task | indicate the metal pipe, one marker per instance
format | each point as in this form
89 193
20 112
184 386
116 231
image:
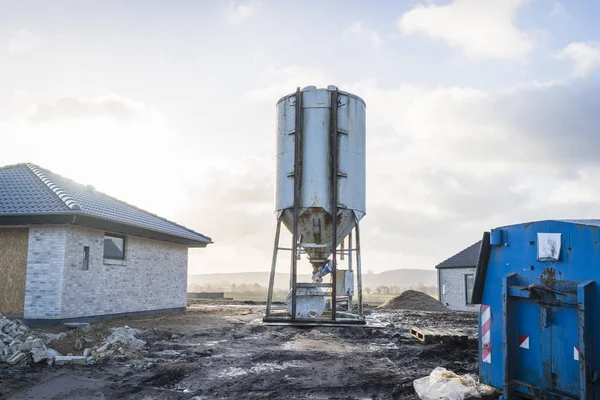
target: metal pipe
297 182
350 266
358 270
350 251
334 195
273 265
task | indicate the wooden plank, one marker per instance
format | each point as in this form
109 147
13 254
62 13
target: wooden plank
428 335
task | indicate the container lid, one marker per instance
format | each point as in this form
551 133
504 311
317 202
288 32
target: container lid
329 88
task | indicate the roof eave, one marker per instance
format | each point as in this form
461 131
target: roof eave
90 221
454 266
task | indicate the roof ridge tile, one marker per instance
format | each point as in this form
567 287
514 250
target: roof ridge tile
68 200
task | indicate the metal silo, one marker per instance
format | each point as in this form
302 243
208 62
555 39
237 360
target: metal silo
320 174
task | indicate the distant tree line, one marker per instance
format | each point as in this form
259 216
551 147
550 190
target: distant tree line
395 289
255 288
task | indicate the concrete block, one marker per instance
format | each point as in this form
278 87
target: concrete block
79 360
6 338
63 360
87 352
16 358
103 348
38 355
35 344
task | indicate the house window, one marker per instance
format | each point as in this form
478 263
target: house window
114 246
86 258
469 283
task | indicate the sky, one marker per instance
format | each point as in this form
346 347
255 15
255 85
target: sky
480 113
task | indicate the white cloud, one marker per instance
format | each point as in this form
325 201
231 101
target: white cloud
557 9
466 160
110 106
479 28
585 57
372 35
23 41
237 12
355 27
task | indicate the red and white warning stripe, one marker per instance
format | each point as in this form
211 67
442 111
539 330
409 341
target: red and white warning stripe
524 341
486 321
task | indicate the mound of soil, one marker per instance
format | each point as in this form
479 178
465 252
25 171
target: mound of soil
414 300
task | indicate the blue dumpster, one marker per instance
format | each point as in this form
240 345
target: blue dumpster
537 283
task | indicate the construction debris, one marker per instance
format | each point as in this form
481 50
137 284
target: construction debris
122 342
414 300
16 343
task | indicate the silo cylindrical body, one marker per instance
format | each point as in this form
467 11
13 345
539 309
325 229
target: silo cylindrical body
315 221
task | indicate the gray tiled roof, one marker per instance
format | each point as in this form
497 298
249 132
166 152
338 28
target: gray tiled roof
21 191
29 189
465 258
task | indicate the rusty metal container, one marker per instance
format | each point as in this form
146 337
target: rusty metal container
537 284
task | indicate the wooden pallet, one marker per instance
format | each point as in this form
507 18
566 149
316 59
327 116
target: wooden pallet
430 335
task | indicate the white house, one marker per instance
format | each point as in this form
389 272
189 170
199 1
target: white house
71 253
456 278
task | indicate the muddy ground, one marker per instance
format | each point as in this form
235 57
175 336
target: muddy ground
225 352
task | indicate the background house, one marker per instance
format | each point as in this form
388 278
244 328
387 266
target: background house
456 278
68 252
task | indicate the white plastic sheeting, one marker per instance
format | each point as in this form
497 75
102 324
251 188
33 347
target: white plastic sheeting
442 384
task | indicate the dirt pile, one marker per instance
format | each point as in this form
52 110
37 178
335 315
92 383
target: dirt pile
414 300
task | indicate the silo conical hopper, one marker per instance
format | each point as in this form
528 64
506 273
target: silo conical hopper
320 186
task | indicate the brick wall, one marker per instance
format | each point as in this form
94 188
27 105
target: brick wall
152 277
454 281
45 267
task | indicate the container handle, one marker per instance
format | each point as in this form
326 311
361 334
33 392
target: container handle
535 287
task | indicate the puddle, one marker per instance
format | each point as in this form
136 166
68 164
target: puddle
260 368
167 354
214 342
382 346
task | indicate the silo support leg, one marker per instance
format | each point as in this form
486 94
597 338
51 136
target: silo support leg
273 266
358 270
